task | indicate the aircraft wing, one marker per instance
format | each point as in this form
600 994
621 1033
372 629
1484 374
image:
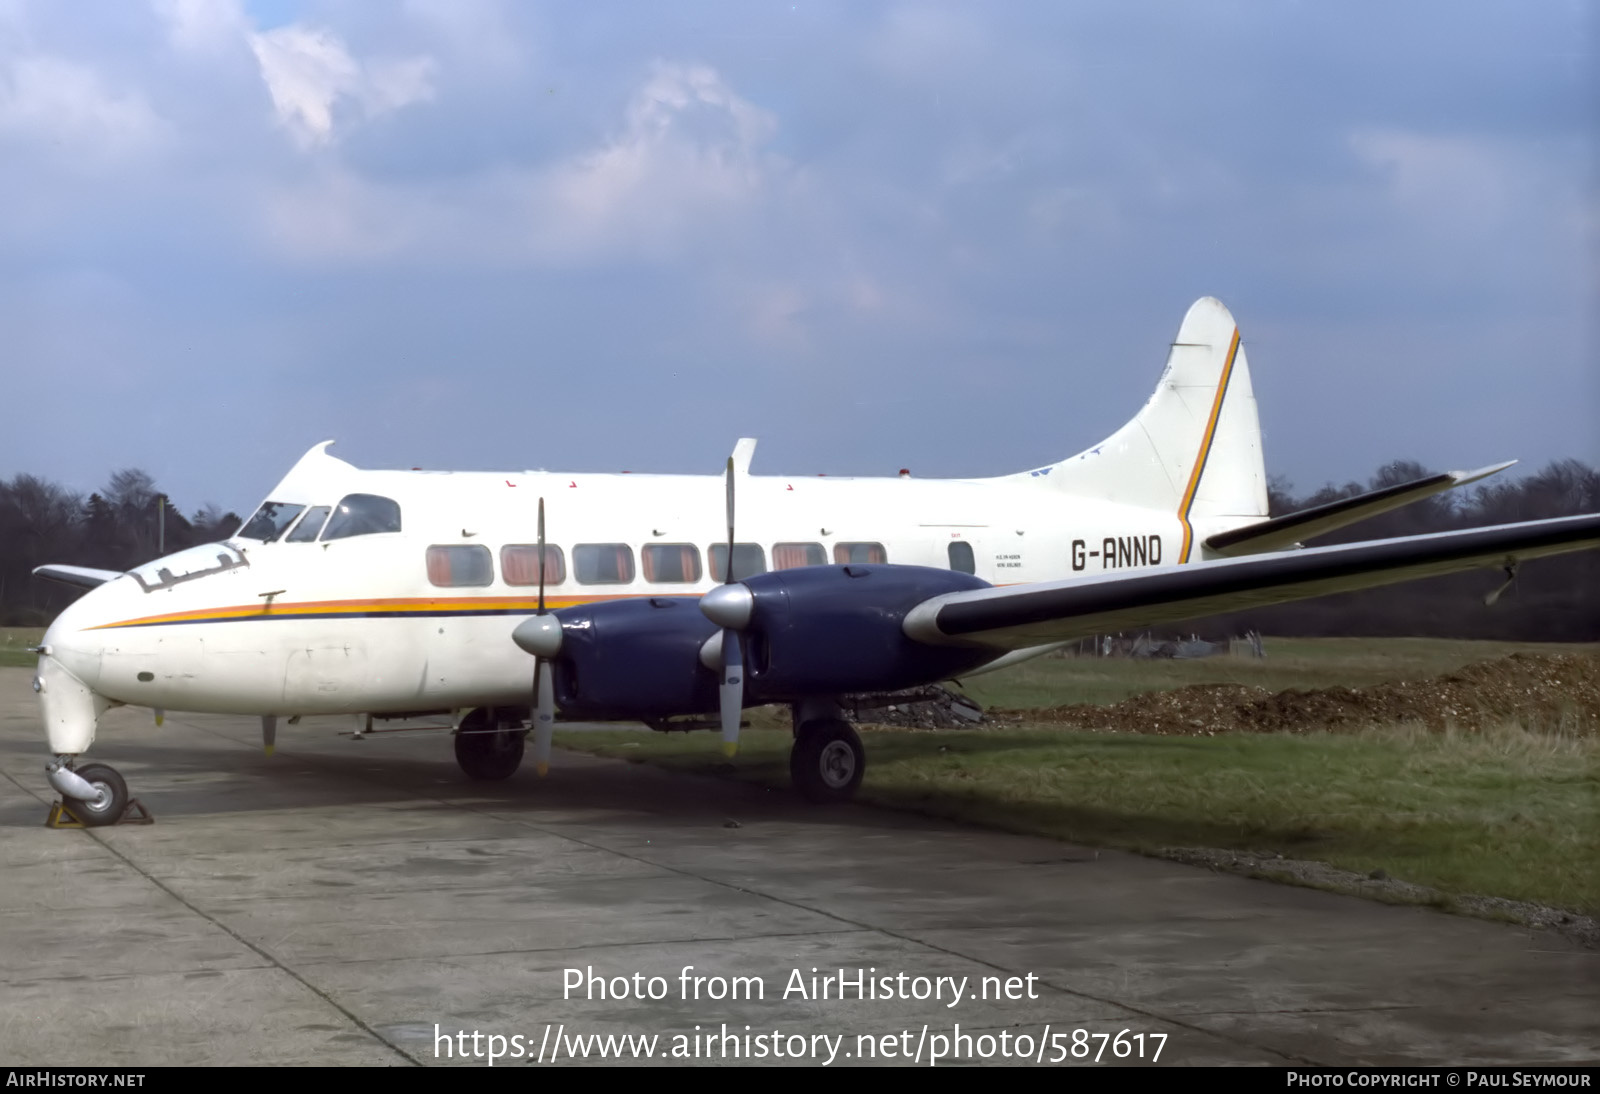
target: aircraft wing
1286 531
1029 615
82 576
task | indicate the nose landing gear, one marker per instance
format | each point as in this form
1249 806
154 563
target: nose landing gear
92 796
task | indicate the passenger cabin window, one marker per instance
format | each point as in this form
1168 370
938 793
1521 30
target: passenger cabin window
457 566
362 515
603 563
671 563
845 553
748 560
519 564
791 556
269 521
961 559
310 524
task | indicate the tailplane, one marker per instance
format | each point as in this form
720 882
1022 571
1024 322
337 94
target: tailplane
1195 448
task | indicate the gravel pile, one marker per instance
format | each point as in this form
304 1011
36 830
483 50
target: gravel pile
921 708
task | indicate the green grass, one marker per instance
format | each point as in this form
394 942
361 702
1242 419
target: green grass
14 643
1506 813
1290 663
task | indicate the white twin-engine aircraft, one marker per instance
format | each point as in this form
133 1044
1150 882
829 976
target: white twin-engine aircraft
399 593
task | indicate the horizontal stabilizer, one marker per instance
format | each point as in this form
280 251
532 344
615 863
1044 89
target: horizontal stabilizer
1286 531
81 576
1015 616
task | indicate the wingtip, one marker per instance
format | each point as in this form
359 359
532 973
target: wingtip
1463 477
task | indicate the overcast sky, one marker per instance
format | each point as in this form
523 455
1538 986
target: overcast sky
955 238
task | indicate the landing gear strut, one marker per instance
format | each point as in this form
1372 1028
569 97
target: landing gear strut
827 760
486 748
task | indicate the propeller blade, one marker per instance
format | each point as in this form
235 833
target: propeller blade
541 556
161 716
731 692
544 688
544 715
269 732
728 576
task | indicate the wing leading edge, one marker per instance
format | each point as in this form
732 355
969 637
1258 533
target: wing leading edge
82 577
1028 615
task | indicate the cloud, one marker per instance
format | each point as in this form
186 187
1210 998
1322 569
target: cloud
203 26
316 85
690 151
689 158
49 100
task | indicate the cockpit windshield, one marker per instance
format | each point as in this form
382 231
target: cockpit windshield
269 521
306 531
362 515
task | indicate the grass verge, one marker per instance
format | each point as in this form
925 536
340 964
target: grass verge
1508 812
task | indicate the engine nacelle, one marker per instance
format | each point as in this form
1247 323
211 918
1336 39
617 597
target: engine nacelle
813 631
836 630
635 658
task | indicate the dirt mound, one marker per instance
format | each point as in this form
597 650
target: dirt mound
1529 688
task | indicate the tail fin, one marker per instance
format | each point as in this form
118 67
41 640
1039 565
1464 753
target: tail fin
1195 448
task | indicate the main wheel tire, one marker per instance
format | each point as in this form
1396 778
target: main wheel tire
485 751
113 796
827 760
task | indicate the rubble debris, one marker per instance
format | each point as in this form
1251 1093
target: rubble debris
919 708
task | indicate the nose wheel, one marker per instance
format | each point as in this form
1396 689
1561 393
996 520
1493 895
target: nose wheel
827 760
92 796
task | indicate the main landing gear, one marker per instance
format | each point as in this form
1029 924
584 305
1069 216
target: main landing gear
489 744
827 761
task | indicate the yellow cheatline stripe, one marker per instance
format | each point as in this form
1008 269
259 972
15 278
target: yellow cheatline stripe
360 607
1205 448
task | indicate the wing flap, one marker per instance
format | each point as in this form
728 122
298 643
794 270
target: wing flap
1286 531
83 577
1025 615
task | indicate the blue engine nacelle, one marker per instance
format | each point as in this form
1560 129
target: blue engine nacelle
836 630
815 630
634 658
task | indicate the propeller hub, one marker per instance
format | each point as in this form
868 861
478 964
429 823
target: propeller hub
729 606
539 635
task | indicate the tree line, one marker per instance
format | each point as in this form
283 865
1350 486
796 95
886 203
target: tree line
126 522
129 521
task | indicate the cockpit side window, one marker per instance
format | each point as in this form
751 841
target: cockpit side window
362 515
310 524
269 521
